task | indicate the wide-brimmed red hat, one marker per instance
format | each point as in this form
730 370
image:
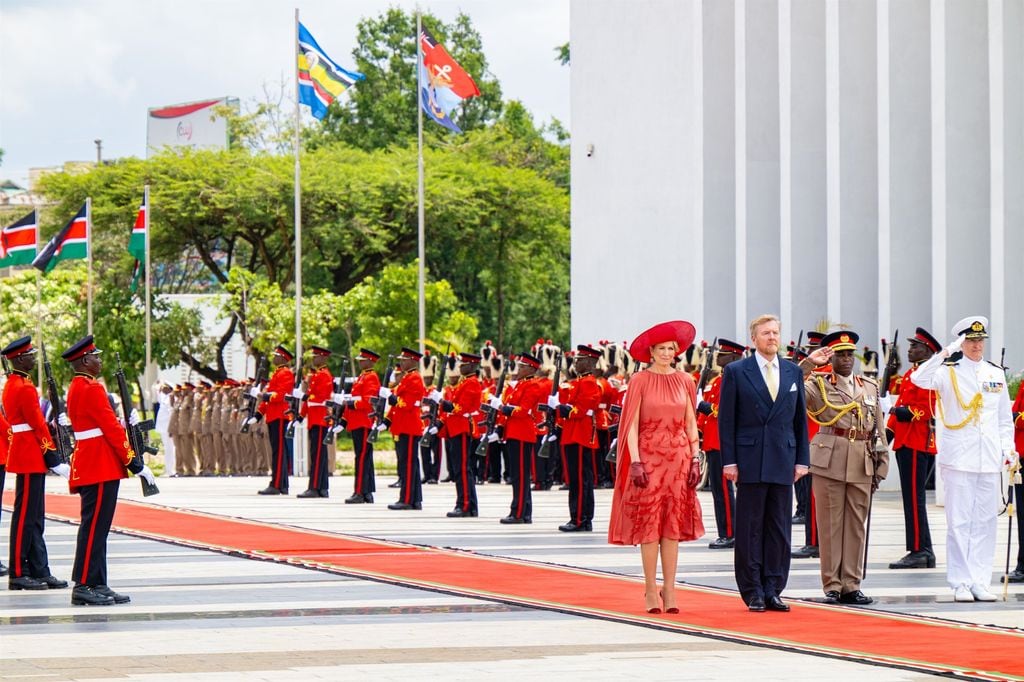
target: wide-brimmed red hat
680 331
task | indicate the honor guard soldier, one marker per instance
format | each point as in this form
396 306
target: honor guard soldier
521 418
846 464
358 415
1017 574
461 410
912 424
406 420
102 458
31 454
320 384
273 408
974 439
722 491
805 508
5 434
579 438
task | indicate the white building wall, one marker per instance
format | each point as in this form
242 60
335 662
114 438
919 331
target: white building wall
860 161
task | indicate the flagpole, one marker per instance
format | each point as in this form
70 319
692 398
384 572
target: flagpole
298 210
39 322
421 250
149 340
88 246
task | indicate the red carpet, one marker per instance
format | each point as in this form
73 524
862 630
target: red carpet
905 641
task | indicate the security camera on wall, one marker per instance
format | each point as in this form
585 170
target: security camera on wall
590 150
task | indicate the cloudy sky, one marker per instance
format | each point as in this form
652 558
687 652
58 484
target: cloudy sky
72 71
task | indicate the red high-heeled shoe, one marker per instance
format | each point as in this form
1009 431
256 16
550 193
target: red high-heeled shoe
670 609
652 609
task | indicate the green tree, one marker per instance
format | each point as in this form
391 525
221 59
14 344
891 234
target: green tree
381 110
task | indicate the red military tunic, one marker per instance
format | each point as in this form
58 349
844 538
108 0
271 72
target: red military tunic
30 436
918 433
465 398
405 414
102 452
1018 423
708 423
584 395
279 386
321 387
524 397
603 416
5 439
360 415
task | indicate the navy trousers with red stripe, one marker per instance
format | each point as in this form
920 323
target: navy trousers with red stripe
915 469
459 450
280 454
581 482
318 464
722 493
365 482
28 549
409 469
520 456
99 501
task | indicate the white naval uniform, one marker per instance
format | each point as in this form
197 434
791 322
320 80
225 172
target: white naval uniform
970 460
163 420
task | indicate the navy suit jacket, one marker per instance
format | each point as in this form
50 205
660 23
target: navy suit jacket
765 438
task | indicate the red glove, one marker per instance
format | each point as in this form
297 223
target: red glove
693 478
637 474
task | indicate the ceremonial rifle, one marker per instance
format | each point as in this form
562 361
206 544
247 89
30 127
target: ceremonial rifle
380 403
336 408
549 418
891 359
134 431
294 404
60 434
433 423
705 372
490 424
252 401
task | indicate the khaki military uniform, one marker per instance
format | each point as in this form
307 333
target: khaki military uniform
186 435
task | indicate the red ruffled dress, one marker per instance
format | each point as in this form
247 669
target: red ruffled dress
667 508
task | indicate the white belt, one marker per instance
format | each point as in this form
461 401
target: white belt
312 404
20 428
86 435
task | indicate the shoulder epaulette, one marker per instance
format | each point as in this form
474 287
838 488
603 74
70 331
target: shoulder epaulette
870 380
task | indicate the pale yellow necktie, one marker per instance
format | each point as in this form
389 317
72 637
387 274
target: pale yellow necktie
771 380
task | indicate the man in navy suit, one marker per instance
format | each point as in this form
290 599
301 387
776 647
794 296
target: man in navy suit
762 426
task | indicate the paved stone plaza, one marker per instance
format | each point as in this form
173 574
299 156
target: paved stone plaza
200 615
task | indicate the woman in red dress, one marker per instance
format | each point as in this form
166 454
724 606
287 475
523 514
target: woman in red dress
655 502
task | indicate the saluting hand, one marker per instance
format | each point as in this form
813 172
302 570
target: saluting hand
821 356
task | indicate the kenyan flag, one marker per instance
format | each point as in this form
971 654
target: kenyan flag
71 242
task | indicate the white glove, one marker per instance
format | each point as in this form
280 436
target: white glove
432 429
491 438
381 427
251 420
62 470
553 402
63 420
1009 458
337 398
133 417
384 392
298 393
885 402
955 346
436 396
147 474
337 429
254 391
494 402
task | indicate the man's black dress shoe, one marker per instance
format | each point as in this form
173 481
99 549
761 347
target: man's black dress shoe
922 559
799 518
306 494
3 569
805 552
1015 576
756 604
368 498
856 598
494 480
446 479
118 598
269 490
563 487
26 582
461 513
325 493
431 481
54 583
722 543
83 595
573 527
514 520
403 505
396 484
355 498
831 597
776 604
